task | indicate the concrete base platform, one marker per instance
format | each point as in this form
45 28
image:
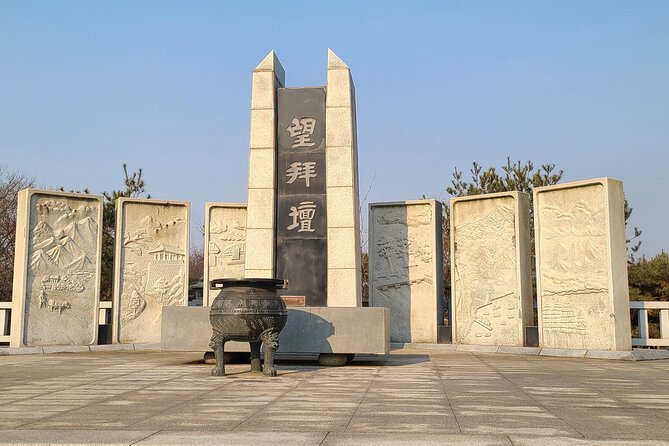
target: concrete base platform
309 330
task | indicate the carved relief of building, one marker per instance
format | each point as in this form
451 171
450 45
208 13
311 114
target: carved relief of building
151 266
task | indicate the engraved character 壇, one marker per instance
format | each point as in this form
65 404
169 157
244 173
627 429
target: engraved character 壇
302 216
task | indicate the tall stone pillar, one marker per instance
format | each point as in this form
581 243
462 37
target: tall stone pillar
260 220
343 210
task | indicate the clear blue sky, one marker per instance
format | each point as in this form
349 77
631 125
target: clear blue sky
86 86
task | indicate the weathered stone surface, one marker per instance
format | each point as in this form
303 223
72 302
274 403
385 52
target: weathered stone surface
56 269
519 350
150 265
608 354
565 352
647 354
261 219
65 349
331 330
405 267
225 242
343 220
21 351
111 347
490 268
582 290
476 348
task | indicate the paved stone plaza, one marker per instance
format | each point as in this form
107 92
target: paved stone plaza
414 397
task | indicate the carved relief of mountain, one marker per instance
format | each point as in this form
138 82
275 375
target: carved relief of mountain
65 252
84 232
42 263
81 263
41 230
46 244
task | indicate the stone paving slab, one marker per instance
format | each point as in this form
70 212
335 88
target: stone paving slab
403 439
108 437
410 397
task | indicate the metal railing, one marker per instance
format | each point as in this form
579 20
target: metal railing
644 340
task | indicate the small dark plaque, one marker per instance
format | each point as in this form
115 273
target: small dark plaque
293 301
301 251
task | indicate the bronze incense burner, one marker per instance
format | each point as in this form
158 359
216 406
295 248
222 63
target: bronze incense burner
247 310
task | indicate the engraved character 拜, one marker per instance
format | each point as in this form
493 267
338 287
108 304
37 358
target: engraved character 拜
303 171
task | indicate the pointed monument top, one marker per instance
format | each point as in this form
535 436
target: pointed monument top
268 63
334 61
271 63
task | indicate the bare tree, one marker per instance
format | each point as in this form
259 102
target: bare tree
196 264
11 182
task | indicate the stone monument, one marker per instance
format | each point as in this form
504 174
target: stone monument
406 267
491 282
225 244
56 269
302 221
150 265
582 289
302 218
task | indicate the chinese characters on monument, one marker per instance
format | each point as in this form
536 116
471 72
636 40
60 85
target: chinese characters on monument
302 216
301 252
302 171
301 130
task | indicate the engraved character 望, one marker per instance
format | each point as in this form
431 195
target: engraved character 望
301 130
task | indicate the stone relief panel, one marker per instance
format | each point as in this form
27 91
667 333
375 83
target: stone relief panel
152 265
403 252
63 269
225 243
486 284
573 268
